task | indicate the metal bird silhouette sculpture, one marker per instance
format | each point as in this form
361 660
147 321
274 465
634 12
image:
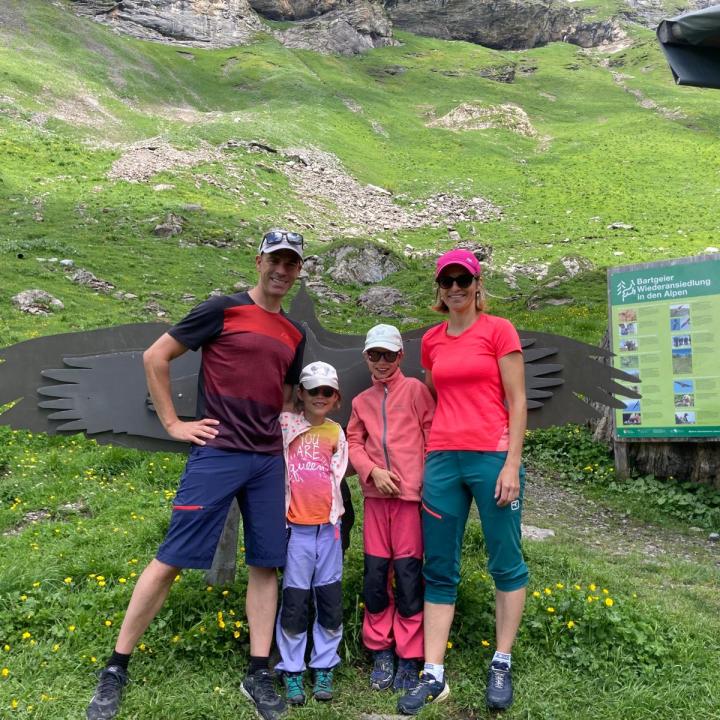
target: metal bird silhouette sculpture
97 380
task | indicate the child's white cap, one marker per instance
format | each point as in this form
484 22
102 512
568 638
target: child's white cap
383 336
319 374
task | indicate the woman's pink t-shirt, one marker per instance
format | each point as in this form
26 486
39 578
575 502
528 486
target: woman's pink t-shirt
471 412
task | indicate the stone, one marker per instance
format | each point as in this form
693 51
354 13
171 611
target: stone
558 301
361 265
172 225
530 532
323 292
714 537
620 226
192 207
380 300
187 297
66 263
120 295
85 277
37 302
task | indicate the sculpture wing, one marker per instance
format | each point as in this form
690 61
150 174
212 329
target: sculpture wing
101 391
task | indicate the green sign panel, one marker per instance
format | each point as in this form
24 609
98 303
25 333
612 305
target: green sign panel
665 331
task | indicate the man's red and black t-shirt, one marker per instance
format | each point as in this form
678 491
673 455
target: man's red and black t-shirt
248 354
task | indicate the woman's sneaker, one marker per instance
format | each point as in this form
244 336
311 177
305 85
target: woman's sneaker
323 685
499 693
105 703
259 687
407 675
427 690
294 690
381 677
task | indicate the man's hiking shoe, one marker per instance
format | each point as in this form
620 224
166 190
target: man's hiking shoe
427 690
105 703
383 670
407 675
323 685
260 689
499 686
294 690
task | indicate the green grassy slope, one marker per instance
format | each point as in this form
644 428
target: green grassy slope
604 158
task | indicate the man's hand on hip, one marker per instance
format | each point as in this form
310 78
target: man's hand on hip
195 431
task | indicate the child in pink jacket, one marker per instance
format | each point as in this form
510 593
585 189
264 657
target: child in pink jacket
386 435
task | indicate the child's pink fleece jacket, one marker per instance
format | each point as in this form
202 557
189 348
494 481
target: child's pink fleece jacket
389 427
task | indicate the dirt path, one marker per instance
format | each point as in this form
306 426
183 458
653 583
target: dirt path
548 504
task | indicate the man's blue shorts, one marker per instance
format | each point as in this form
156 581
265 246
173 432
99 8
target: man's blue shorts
211 480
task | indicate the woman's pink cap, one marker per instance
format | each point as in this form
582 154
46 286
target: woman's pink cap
461 257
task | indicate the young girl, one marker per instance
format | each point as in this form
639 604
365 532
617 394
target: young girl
387 432
316 459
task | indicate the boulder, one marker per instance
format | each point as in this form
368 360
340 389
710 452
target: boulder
502 24
85 277
172 225
361 265
293 9
381 300
37 302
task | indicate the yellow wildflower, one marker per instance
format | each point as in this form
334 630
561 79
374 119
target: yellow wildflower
609 602
26 635
236 634
570 624
536 594
4 672
449 645
71 628
108 623
559 586
6 648
606 591
55 647
485 643
67 580
551 609
122 581
547 591
209 588
592 587
14 704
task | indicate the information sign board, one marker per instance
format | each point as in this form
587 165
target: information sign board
665 330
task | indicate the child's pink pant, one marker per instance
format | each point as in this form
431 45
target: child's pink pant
393 584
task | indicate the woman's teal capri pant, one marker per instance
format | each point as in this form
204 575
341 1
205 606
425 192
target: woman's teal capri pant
452 479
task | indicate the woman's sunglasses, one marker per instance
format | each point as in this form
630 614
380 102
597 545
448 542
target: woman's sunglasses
324 391
462 281
375 355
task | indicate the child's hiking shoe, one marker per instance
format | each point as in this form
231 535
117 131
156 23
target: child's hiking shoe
105 703
294 690
407 675
260 689
427 690
499 686
383 670
323 685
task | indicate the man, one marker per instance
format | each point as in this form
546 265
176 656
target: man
236 451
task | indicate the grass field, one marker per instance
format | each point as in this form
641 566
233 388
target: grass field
79 521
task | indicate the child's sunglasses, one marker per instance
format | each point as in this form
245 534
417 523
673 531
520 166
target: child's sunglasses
375 355
463 281
323 390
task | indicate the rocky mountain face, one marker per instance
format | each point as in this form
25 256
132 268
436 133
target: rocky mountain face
353 26
501 24
208 23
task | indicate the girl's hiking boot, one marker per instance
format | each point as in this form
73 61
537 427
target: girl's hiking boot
381 677
499 686
105 703
259 688
427 690
294 690
323 685
407 675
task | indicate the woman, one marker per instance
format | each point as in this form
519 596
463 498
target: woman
474 367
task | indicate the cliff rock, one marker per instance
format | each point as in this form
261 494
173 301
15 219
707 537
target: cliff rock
502 24
351 28
205 23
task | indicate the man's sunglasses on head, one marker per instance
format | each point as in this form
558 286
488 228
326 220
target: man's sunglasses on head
462 281
275 237
389 355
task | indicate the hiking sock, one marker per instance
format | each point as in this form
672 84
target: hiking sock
437 671
120 659
258 662
503 658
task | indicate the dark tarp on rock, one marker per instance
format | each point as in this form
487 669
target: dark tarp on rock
691 43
